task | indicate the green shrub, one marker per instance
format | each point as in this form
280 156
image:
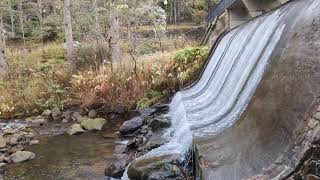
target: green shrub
186 65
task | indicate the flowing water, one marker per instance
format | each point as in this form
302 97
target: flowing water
220 96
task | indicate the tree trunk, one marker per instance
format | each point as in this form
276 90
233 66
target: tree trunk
68 35
40 18
3 63
96 16
13 32
22 24
114 35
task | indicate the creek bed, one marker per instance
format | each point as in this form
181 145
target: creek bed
66 157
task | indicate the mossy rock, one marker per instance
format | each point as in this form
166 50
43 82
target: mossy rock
93 124
154 168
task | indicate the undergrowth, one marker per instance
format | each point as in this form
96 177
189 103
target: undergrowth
39 80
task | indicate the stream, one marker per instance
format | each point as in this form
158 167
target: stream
66 157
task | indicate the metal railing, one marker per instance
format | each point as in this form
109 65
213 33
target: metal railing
219 9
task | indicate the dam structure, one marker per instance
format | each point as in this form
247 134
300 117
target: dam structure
244 112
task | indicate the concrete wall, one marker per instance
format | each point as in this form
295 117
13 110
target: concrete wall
244 10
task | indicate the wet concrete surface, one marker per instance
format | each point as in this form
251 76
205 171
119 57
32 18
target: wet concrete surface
278 109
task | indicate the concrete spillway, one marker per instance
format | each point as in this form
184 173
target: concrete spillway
260 80
248 115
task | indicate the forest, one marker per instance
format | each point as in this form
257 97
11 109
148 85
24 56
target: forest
159 89
119 53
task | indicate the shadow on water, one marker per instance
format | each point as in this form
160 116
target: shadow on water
66 157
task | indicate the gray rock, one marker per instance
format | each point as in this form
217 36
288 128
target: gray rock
76 129
155 168
9 131
145 130
131 125
92 114
317 115
65 121
2 157
3 142
30 135
116 169
67 115
159 122
38 121
93 124
136 142
21 156
84 118
316 134
16 138
22 127
34 142
312 123
76 116
318 108
155 141
46 113
56 114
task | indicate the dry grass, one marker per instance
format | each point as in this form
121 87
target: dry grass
39 80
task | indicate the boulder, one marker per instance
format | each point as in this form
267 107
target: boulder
8 131
21 127
115 169
162 167
84 118
145 130
46 113
21 156
56 114
160 122
2 157
37 121
155 142
67 115
93 124
3 142
76 129
16 138
34 142
131 125
92 114
30 135
136 142
312 123
76 116
317 115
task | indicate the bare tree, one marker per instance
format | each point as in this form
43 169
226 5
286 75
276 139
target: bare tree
68 35
3 63
13 32
96 15
114 38
22 23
